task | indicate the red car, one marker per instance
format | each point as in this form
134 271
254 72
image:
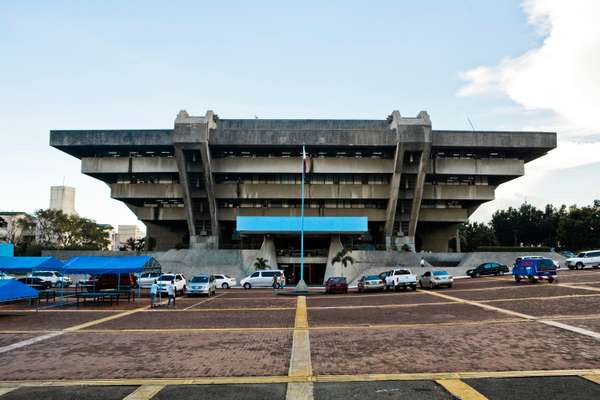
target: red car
109 281
336 284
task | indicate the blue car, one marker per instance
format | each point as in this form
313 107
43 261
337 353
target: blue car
534 269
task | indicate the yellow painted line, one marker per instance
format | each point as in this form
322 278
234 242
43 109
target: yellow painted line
301 314
144 392
425 325
461 390
478 304
567 296
582 287
439 303
313 378
105 319
592 377
300 361
228 309
300 391
5 390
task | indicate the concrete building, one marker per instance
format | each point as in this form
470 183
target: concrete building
63 198
126 232
414 185
11 231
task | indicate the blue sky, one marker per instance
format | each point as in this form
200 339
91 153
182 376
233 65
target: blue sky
114 64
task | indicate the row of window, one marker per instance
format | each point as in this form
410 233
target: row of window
307 204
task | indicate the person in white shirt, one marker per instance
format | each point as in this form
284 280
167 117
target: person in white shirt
422 262
171 293
153 294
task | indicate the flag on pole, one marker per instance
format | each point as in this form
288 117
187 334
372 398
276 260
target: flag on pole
306 163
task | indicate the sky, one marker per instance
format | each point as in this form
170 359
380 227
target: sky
504 64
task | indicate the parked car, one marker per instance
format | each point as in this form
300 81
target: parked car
584 259
336 284
262 278
176 279
224 281
534 269
385 274
491 268
202 284
370 282
567 254
147 279
55 278
6 276
36 283
123 281
436 279
401 278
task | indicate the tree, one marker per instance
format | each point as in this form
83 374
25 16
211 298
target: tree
3 223
474 235
261 263
343 256
57 230
527 225
579 228
137 245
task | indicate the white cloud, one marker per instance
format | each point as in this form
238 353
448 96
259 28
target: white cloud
562 75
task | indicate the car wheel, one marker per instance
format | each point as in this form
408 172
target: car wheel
431 285
517 278
414 287
58 285
579 265
571 267
421 284
449 285
225 285
531 278
247 285
346 291
550 279
476 275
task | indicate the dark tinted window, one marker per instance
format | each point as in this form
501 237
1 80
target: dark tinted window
373 277
200 279
254 275
402 272
546 263
337 280
270 274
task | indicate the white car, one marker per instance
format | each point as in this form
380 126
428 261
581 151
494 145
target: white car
6 276
435 279
224 281
202 284
176 279
55 278
260 278
584 259
146 279
401 278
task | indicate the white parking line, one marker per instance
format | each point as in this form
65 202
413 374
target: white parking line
203 301
27 342
571 328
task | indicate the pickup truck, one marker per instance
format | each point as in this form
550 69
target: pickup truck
400 278
534 269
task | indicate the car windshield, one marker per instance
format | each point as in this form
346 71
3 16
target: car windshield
166 278
373 278
403 272
440 273
337 280
581 255
200 279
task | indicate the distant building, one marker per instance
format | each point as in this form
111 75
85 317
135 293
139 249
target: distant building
126 232
63 198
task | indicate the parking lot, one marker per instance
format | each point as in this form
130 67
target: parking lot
487 337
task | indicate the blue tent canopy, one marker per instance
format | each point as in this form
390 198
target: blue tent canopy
11 289
260 225
24 264
97 265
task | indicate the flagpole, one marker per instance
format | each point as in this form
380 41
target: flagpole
302 217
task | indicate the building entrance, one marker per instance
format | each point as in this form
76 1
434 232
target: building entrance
313 273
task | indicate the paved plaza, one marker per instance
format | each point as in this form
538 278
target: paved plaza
484 338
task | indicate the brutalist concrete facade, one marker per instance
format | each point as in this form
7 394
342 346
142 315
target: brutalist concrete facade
416 185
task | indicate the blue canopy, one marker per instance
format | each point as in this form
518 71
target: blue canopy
12 289
311 224
97 265
24 264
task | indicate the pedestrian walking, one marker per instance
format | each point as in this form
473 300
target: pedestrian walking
422 262
153 294
275 282
282 281
171 293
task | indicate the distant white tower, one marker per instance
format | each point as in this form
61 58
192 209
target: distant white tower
63 198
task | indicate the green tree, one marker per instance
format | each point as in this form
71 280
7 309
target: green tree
579 228
261 263
344 257
474 235
137 245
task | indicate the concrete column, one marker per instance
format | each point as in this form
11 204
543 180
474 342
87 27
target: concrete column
390 214
335 245
418 195
458 240
210 189
185 184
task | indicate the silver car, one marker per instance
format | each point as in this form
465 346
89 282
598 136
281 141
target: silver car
435 279
202 284
370 282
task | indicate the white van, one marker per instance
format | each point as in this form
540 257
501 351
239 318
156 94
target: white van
262 278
